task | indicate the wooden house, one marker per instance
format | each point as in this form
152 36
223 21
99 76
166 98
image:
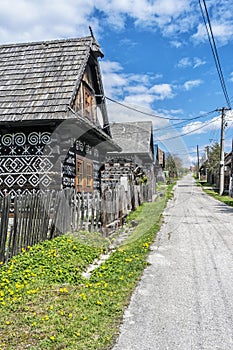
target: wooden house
159 164
135 162
228 173
54 128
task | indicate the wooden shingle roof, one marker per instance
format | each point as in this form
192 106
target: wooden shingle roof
134 138
38 80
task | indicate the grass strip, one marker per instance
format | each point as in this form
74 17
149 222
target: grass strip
47 304
224 199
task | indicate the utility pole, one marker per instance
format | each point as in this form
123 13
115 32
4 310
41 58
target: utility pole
198 163
207 162
222 153
231 178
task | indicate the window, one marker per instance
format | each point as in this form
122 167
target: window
88 113
84 174
89 168
79 174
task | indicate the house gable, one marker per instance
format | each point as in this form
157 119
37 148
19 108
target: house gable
88 101
38 81
40 86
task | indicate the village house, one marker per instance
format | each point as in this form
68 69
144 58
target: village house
159 164
228 173
134 164
54 124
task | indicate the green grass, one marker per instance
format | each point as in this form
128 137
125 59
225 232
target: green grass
170 192
47 304
225 199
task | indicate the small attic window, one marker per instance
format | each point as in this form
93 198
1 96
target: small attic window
88 102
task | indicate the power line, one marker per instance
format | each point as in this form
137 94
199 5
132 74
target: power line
181 124
214 51
185 154
190 132
154 115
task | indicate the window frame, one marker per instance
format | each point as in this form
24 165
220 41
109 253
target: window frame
84 180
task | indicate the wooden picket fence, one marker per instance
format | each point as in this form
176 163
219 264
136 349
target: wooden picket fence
34 217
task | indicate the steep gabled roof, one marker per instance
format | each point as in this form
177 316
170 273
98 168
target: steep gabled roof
134 138
38 80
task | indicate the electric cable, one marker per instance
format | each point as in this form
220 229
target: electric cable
190 132
154 115
214 51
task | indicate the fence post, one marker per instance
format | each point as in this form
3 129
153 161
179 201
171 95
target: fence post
5 208
104 214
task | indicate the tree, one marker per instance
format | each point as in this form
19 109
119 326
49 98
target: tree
212 163
213 158
170 166
174 166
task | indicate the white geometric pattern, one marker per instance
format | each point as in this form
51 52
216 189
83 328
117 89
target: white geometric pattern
21 180
34 180
9 181
24 161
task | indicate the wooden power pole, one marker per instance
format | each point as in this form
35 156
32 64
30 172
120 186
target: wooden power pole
198 163
222 153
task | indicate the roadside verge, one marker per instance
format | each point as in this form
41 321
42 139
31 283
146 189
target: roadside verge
46 303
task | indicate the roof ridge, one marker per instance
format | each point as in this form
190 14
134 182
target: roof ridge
133 122
52 41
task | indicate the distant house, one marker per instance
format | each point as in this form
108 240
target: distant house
228 174
159 163
54 125
135 162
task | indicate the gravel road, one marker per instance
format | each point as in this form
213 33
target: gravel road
185 297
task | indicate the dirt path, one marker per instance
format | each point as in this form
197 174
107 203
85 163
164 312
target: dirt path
185 297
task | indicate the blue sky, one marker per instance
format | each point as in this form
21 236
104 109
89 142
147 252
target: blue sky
157 60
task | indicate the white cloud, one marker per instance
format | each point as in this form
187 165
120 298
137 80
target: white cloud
143 100
199 127
223 32
194 62
198 62
176 43
188 85
162 91
113 79
133 88
184 62
26 20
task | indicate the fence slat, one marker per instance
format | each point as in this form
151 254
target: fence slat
45 215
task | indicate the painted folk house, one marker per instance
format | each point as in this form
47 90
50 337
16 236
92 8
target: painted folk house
135 162
54 125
